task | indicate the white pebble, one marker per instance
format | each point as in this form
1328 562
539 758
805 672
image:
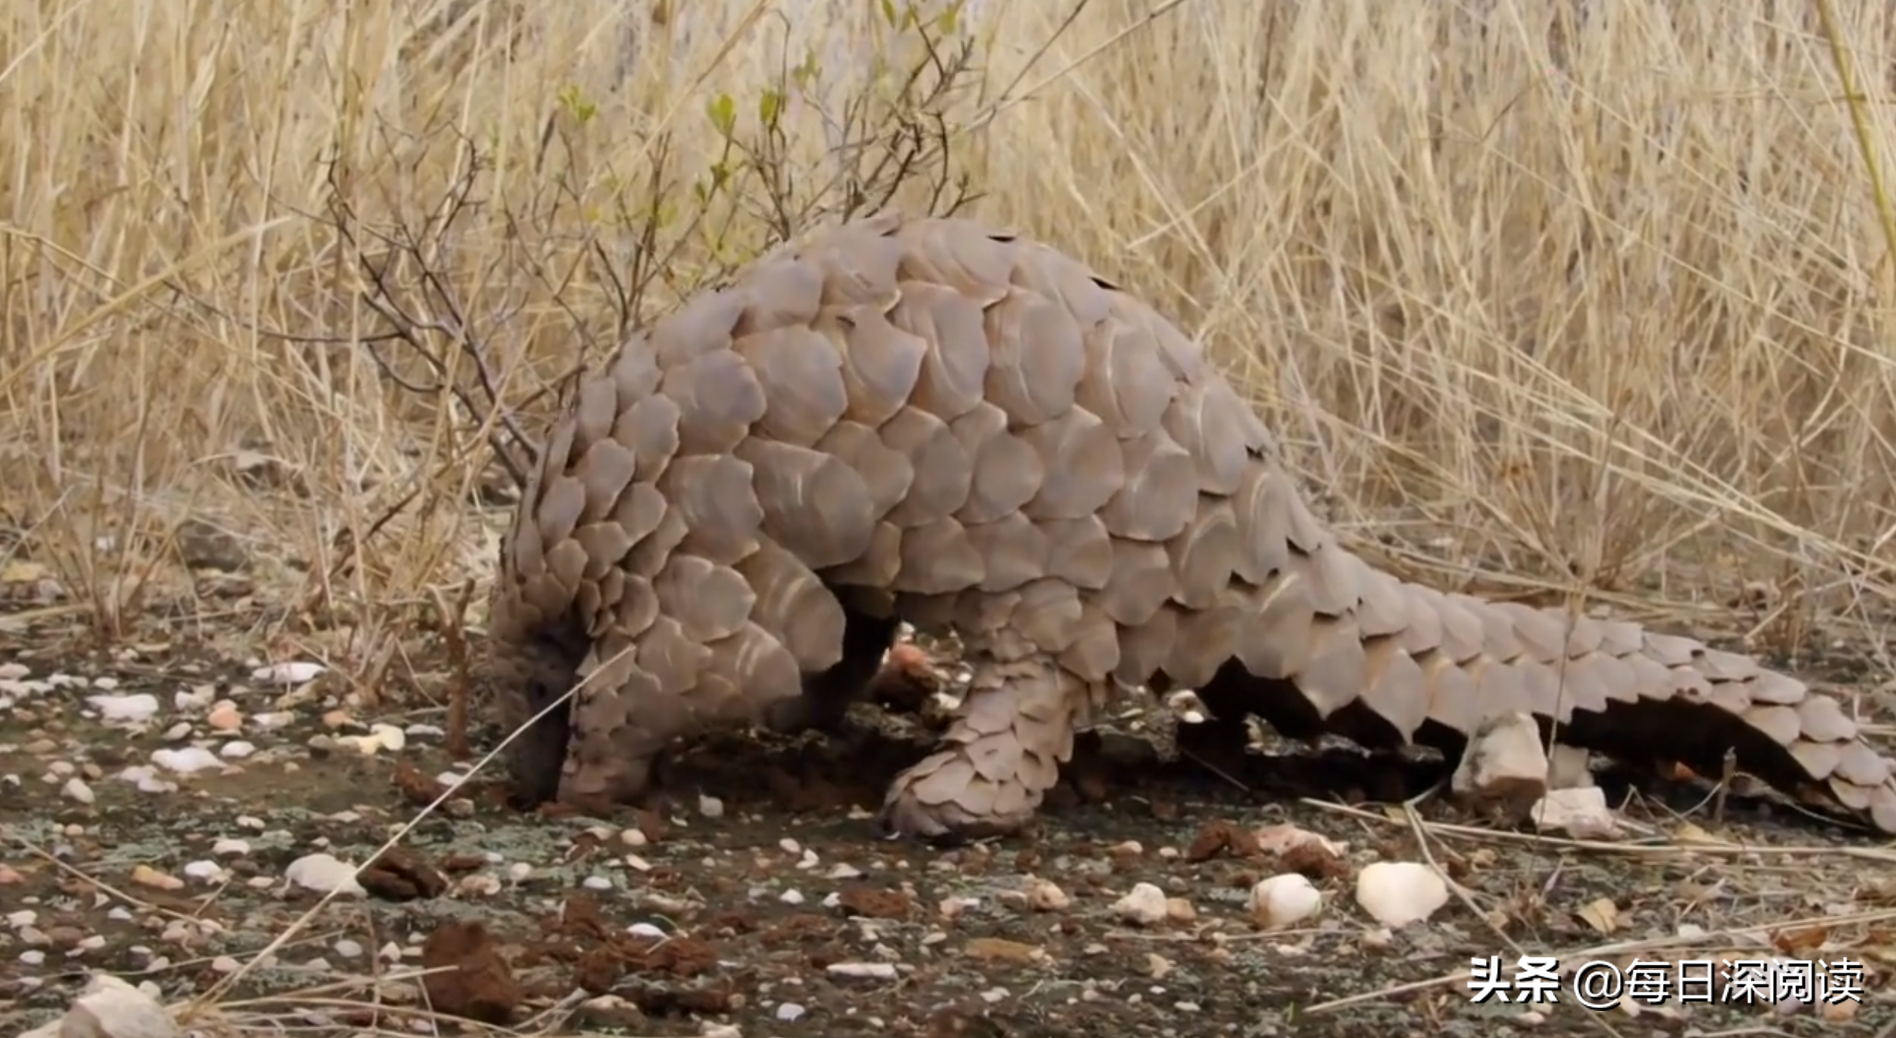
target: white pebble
291 673
450 779
76 789
272 720
147 780
596 883
225 964
348 949
237 749
789 1012
92 942
185 761
1398 893
519 871
1283 900
23 917
136 708
634 838
178 732
33 958
710 807
391 737
323 873
204 871
862 970
791 897
644 930
790 846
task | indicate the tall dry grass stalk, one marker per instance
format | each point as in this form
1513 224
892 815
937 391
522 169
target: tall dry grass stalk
1550 294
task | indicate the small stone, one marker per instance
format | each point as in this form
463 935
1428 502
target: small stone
1580 811
323 873
76 789
862 970
1144 905
128 710
1397 893
634 838
237 749
146 876
225 717
204 871
111 1008
186 760
1045 896
710 807
292 673
596 883
10 876
229 848
789 1012
1504 763
1283 900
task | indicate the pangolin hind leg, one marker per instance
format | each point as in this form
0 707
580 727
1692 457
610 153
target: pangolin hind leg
1000 755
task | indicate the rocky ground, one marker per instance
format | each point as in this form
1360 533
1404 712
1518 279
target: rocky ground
173 816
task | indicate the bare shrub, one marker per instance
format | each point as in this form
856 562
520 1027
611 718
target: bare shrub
1546 298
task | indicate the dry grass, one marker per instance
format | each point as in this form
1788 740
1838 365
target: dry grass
1585 296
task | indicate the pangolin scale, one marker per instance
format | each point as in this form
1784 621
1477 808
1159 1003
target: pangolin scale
936 421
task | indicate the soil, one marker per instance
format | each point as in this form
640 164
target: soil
762 901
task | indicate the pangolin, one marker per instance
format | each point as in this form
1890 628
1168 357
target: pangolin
937 421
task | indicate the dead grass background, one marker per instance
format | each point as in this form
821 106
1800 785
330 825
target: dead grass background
1588 297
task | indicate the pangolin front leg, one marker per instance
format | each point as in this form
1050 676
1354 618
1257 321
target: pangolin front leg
1001 753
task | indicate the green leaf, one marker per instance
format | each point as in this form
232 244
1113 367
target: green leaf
723 113
576 104
769 108
888 11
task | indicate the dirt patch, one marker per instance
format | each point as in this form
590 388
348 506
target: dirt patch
760 897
